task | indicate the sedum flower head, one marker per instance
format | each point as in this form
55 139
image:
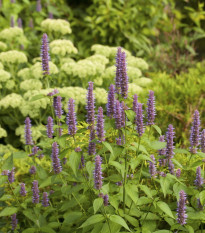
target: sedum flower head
36 70
35 191
45 57
55 159
12 34
98 59
31 84
4 76
151 112
10 84
133 88
100 95
181 210
98 173
56 25
62 47
3 133
143 82
195 133
137 62
11 101
3 46
13 57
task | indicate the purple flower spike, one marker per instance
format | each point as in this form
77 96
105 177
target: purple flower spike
178 172
35 150
152 167
28 138
54 92
170 142
23 190
124 77
162 152
111 101
11 176
135 103
171 166
181 210
35 190
118 113
58 106
78 149
106 200
203 141
199 180
71 118
49 127
20 25
38 6
199 205
55 160
82 162
90 107
45 200
139 120
91 147
118 71
12 24
100 125
32 170
14 222
31 23
45 55
151 112
50 15
98 173
194 136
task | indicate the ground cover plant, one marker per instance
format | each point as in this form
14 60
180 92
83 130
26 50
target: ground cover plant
114 171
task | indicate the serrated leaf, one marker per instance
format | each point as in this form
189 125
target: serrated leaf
97 204
92 220
37 97
165 208
47 229
8 163
157 129
74 161
8 211
3 179
146 190
109 147
132 192
29 230
141 147
157 145
29 214
46 182
165 183
202 197
132 220
119 220
118 166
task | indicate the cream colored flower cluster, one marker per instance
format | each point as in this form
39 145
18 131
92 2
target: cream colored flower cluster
56 25
62 47
3 133
13 57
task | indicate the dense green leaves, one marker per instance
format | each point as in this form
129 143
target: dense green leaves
8 211
92 220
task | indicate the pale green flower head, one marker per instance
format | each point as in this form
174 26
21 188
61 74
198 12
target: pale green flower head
99 59
11 33
62 47
137 62
24 73
37 73
68 67
12 100
109 73
3 133
143 82
1 66
3 46
31 84
133 73
98 81
13 57
4 76
100 95
10 84
56 25
134 89
67 60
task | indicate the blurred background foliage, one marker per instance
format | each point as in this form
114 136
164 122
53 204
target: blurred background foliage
164 41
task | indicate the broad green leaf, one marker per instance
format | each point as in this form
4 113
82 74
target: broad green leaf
72 217
141 147
181 151
189 228
202 197
162 231
165 208
132 220
90 167
30 215
47 229
157 145
201 154
8 163
92 220
144 157
119 220
54 224
130 115
109 147
132 192
37 97
114 201
6 197
8 211
19 155
118 166
74 161
165 183
3 179
29 230
157 129
146 190
196 163
46 182
41 172
196 216
97 204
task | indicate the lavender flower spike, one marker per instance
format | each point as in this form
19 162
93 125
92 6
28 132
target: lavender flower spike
71 118
20 25
49 127
55 160
139 120
100 125
124 77
35 192
28 138
118 71
178 172
12 24
170 142
162 152
58 106
91 146
171 166
203 141
45 200
118 113
98 173
199 180
181 210
32 170
38 6
90 107
106 199
11 177
194 136
23 190
135 103
14 222
45 55
151 112
152 167
111 101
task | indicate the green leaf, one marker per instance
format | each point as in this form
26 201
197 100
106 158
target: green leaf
162 231
165 183
97 204
189 228
8 163
29 214
201 154
132 192
144 157
181 151
196 163
20 155
37 97
108 146
47 229
157 145
29 230
114 201
72 217
146 190
130 115
141 147
165 208
3 179
132 220
74 161
118 166
202 197
46 182
119 220
157 129
6 197
41 172
8 211
92 220
54 224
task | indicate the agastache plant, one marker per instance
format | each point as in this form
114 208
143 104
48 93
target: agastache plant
23 190
203 141
92 145
71 118
100 125
162 152
170 142
135 103
181 210
38 6
199 180
45 200
55 159
117 115
98 173
195 135
20 25
28 137
90 107
139 120
49 127
152 167
151 112
11 176
58 106
14 222
111 101
124 77
118 71
12 24
45 57
35 190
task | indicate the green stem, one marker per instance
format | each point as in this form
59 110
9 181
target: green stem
125 173
137 152
140 172
150 131
82 209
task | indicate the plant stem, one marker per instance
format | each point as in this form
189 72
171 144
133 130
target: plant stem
82 209
137 152
125 173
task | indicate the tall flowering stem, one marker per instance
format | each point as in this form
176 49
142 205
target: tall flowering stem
100 125
181 210
71 118
14 222
151 112
90 107
117 114
118 71
135 103
38 6
23 190
98 173
195 135
45 57
45 200
124 77
162 152
28 137
55 159
49 127
203 141
199 180
92 145
57 103
152 167
35 190
111 101
139 120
